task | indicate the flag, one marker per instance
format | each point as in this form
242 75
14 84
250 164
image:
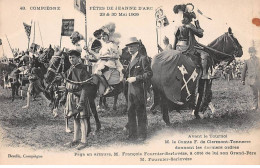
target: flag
27 30
0 41
67 27
80 5
161 19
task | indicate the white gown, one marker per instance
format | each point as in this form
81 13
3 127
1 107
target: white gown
109 50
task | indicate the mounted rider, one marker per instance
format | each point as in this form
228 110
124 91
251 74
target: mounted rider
185 37
108 56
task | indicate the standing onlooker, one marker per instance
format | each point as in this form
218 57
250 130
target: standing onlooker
251 67
138 73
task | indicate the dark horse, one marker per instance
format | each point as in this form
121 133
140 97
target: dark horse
175 74
59 65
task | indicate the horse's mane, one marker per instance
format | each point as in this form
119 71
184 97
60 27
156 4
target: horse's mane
216 43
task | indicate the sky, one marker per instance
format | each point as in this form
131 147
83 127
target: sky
236 14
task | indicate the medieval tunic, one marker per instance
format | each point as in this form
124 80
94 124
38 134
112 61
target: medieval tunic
185 38
76 73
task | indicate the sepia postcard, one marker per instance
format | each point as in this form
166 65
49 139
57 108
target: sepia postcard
129 82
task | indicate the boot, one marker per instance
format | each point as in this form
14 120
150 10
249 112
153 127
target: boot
108 88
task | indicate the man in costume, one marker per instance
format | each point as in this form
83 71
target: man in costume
185 37
75 100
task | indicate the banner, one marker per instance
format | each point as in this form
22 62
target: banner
80 5
27 29
161 19
67 27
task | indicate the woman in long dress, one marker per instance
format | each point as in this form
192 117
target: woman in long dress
109 59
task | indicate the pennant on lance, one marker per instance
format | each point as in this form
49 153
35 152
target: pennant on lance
67 27
80 5
27 29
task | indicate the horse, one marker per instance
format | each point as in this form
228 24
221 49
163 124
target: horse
37 68
59 65
171 69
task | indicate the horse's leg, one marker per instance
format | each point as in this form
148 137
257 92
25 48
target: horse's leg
201 98
55 104
125 90
21 92
67 129
165 111
95 114
115 102
45 99
13 90
28 100
156 100
212 108
88 126
99 107
105 103
17 89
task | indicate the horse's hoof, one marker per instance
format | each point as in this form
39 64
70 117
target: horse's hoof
68 130
55 115
25 107
168 124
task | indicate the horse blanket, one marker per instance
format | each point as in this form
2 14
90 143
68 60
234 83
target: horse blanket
175 75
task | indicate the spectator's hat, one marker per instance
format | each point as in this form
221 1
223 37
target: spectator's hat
132 40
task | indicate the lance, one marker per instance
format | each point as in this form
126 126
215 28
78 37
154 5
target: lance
40 34
86 27
9 45
33 31
29 36
61 32
3 50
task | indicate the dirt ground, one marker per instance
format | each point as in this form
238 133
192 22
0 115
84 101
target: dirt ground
37 129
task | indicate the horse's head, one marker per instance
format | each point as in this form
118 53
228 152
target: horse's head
46 55
235 48
59 63
228 45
